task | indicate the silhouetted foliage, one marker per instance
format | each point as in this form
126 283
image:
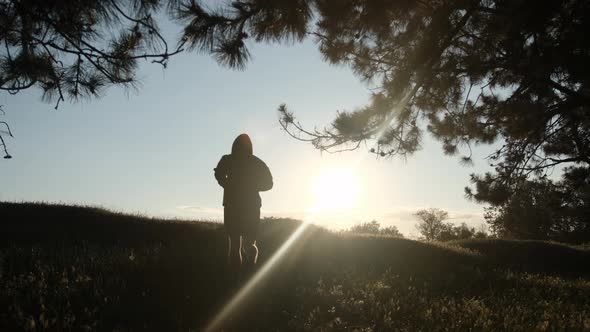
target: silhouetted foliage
541 208
471 71
74 49
374 227
474 71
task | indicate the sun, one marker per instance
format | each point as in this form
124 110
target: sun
334 188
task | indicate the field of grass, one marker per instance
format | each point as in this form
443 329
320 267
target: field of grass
65 268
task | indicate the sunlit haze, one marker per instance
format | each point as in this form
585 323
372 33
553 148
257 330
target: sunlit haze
334 189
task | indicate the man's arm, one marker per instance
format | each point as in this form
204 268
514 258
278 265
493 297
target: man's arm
264 177
221 171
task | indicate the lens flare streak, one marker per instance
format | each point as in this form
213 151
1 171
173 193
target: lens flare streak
243 293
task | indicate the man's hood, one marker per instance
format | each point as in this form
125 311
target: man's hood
242 146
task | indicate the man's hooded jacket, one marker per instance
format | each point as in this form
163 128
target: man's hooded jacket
242 175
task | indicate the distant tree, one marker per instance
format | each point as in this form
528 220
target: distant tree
371 227
431 224
374 227
446 233
482 232
461 232
432 227
391 231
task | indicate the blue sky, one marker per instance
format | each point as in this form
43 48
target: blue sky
153 151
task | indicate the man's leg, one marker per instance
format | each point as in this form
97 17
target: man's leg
250 235
234 256
234 253
251 250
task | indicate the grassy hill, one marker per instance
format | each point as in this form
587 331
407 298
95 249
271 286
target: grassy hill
85 269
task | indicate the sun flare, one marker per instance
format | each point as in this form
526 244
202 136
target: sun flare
335 189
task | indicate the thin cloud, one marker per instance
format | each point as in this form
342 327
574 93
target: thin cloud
200 209
466 215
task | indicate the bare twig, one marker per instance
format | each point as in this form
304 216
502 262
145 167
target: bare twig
2 142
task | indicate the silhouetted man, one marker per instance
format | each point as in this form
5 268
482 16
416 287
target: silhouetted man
242 175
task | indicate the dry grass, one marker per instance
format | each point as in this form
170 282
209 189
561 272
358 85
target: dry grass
86 269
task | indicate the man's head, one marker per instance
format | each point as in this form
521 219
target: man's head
242 146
